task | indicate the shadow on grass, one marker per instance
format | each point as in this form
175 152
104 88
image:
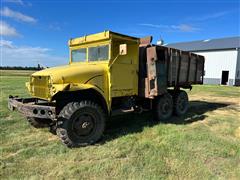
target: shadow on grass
133 123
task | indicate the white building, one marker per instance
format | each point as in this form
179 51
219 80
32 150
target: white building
222 59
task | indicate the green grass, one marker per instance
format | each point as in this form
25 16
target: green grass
16 72
204 144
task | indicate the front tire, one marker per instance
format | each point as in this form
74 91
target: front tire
81 123
163 107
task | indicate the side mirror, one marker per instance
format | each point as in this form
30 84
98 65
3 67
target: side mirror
122 49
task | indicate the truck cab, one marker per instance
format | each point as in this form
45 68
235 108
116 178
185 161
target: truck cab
96 64
108 73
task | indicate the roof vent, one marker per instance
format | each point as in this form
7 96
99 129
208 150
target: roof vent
160 42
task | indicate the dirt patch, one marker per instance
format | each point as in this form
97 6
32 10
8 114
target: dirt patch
233 105
237 132
13 154
52 138
9 117
233 101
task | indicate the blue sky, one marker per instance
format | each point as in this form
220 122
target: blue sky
37 31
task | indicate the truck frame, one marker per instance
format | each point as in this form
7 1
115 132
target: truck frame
108 73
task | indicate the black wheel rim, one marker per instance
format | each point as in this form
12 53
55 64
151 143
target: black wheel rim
182 103
83 125
165 107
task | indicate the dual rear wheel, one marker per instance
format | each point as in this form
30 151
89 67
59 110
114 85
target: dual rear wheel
166 105
180 100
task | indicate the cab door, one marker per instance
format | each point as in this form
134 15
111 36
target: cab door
123 72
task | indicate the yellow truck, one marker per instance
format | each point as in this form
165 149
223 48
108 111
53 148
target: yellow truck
108 73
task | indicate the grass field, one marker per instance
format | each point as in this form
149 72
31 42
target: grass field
15 72
204 144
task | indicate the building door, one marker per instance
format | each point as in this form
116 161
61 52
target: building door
225 75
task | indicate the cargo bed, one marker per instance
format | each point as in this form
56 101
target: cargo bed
162 67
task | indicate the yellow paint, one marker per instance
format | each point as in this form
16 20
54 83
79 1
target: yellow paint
119 79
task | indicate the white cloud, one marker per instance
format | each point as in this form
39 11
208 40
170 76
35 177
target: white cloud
5 43
7 30
180 27
16 15
209 16
13 55
14 1
185 28
153 25
18 2
55 26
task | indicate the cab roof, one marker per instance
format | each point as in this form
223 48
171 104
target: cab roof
105 35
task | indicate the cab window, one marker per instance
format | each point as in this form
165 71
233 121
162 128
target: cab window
79 55
98 53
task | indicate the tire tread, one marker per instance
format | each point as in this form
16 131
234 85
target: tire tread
66 114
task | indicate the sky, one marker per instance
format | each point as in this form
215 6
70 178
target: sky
37 31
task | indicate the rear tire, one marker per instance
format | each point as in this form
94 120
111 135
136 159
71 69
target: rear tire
81 123
38 123
180 103
163 107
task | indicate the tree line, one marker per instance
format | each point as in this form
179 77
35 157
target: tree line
21 67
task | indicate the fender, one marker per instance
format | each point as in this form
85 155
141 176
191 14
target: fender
71 87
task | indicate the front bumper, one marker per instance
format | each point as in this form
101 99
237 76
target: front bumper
32 107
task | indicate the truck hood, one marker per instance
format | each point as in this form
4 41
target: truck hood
74 73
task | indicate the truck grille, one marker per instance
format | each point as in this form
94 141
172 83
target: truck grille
40 86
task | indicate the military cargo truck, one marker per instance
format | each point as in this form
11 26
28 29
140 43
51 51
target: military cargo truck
108 73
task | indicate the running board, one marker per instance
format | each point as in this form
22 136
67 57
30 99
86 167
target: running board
117 112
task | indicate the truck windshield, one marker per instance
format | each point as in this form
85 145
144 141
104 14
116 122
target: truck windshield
79 55
98 53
